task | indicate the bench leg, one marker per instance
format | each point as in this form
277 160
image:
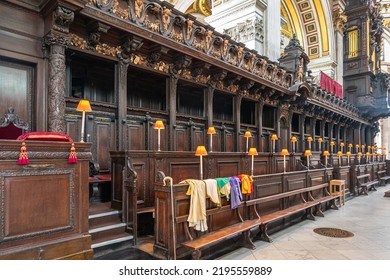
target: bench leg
318 211
372 188
263 233
196 254
363 190
309 214
247 241
333 204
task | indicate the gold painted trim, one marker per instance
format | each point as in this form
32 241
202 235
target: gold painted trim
296 23
323 26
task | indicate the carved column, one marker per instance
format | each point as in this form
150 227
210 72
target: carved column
130 44
210 97
172 88
301 147
260 106
237 118
121 87
54 45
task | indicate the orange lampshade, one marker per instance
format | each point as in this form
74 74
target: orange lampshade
341 144
252 152
339 153
357 145
368 154
359 154
247 134
309 139
211 130
284 152
84 106
307 153
159 125
348 154
320 140
369 147
363 146
331 143
274 137
293 139
201 151
326 153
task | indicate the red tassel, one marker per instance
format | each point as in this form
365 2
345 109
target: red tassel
23 157
72 155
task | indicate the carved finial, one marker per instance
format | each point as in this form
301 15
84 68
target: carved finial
294 43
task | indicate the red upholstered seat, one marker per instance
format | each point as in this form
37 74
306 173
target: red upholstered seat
11 126
45 136
10 132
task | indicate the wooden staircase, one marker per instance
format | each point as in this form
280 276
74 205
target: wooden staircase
107 230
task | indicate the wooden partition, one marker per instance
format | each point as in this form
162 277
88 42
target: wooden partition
44 204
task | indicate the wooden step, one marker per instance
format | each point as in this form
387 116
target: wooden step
109 244
104 218
104 230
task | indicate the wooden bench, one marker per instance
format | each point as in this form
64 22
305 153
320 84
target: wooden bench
242 227
364 184
382 177
308 202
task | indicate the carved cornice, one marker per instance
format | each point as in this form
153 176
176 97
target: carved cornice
161 18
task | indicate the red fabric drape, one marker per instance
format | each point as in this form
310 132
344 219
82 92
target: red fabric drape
331 85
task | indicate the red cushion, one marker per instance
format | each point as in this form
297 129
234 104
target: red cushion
45 136
104 177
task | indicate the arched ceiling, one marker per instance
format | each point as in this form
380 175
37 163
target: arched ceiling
308 20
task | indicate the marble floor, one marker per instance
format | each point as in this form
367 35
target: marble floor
367 217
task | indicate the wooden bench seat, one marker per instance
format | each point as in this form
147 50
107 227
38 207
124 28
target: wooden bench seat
207 239
364 184
382 177
308 202
223 234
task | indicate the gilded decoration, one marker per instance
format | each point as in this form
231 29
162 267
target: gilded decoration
100 48
339 20
162 19
120 12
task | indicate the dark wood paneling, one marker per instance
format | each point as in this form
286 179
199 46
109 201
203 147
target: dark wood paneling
135 135
51 210
44 209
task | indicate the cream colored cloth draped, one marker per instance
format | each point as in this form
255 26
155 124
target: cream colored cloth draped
212 191
197 214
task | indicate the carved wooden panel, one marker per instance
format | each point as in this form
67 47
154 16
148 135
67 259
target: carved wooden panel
135 136
184 170
51 211
182 143
227 169
199 139
73 126
229 142
102 135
